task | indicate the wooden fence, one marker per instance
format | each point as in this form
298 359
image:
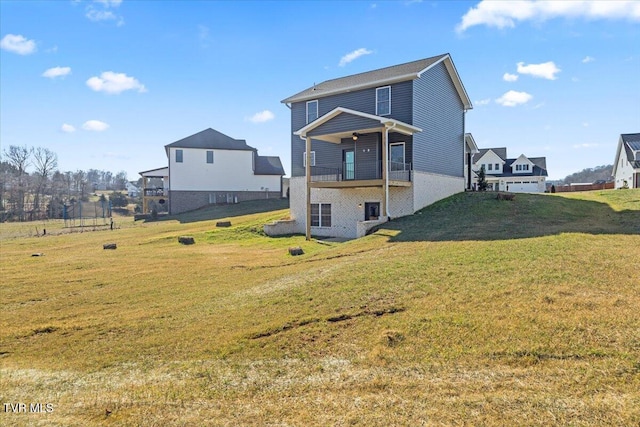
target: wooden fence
584 187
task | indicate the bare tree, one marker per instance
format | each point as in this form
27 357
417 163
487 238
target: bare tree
45 161
20 159
80 181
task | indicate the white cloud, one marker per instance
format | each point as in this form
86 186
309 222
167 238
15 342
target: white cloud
54 72
109 3
354 55
513 98
546 70
509 77
17 44
95 125
588 59
67 128
99 11
505 14
585 124
483 101
111 82
262 117
585 145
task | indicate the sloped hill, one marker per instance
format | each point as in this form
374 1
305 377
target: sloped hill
473 311
481 216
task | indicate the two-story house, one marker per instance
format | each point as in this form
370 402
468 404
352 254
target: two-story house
210 167
626 167
520 175
376 145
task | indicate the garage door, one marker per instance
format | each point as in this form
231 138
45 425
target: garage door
523 187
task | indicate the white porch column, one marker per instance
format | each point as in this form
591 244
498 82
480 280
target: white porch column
308 179
385 168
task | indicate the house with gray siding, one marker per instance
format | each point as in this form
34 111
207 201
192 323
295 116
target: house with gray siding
377 145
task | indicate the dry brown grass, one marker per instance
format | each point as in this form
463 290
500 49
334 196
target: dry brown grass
539 330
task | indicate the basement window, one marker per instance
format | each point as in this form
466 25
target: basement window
320 215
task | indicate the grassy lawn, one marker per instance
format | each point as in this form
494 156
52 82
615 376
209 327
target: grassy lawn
474 311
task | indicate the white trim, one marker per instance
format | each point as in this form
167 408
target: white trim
451 69
399 126
304 159
389 100
471 143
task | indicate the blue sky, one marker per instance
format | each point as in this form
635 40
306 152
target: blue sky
106 84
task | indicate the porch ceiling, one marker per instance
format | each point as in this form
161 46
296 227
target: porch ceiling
336 137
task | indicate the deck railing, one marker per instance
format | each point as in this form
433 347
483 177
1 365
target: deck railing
150 192
360 171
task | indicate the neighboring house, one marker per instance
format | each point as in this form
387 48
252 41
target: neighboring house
376 145
132 189
155 190
210 167
470 148
626 167
521 175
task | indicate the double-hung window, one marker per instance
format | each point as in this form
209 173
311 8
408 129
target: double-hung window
304 159
383 101
320 215
178 156
209 156
312 110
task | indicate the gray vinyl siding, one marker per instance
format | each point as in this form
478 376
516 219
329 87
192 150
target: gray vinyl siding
344 122
438 110
363 101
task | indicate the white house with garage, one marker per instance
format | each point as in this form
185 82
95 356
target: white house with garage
626 166
518 175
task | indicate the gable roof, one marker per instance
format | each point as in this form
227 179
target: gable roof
629 142
268 165
396 125
396 73
210 139
500 152
539 163
632 140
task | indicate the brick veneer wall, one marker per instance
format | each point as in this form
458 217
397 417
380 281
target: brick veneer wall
429 188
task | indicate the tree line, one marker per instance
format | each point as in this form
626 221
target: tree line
32 187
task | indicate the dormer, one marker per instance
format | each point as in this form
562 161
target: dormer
522 165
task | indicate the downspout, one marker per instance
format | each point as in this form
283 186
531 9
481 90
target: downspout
386 175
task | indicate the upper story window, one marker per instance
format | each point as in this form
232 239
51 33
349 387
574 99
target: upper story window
383 101
497 166
490 166
312 110
178 156
209 156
